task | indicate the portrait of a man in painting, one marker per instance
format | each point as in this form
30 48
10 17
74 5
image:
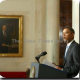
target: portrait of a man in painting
9 35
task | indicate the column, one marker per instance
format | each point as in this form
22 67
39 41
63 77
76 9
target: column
52 30
75 18
40 27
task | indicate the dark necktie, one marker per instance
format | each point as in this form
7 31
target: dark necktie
4 34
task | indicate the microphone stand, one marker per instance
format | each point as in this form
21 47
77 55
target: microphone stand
37 58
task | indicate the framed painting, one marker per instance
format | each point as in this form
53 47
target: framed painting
11 27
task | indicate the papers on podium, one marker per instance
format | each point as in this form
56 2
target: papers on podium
48 63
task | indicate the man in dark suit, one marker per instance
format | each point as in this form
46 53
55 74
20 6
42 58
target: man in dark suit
71 61
5 40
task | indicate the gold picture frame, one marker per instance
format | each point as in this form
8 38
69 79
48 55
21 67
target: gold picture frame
11 45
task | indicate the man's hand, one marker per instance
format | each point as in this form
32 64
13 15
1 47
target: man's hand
57 67
3 44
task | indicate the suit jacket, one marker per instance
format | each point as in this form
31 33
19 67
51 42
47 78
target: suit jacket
71 63
6 41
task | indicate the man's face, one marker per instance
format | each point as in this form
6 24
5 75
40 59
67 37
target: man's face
4 28
67 35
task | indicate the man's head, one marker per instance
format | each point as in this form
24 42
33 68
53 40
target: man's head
4 27
68 34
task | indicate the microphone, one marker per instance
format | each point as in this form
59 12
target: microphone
42 54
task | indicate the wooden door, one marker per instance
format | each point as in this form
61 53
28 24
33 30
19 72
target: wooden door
65 20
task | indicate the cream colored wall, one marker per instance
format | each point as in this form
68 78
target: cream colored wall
34 28
75 19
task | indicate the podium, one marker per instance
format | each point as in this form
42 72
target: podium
44 71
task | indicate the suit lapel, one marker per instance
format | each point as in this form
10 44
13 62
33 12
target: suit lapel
68 51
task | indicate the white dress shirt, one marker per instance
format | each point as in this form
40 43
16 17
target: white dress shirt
68 45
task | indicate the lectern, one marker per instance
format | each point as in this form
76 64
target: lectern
44 71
